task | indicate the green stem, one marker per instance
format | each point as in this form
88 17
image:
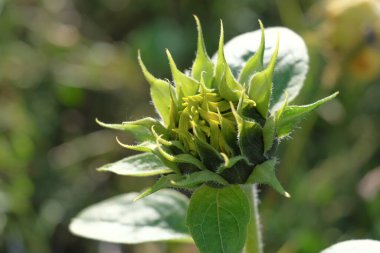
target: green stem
253 244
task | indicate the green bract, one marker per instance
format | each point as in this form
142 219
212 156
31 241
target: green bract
214 128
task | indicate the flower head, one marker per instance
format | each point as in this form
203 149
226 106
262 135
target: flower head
214 127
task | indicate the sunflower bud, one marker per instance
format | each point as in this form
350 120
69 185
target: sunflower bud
215 128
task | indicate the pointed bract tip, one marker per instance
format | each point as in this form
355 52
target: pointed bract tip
225 157
122 144
172 64
170 57
278 37
221 28
98 121
154 132
101 169
146 73
144 194
221 42
139 57
261 24
196 19
118 141
276 49
273 60
237 117
262 31
138 198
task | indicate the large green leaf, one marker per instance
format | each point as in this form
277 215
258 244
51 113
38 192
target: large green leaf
355 246
292 61
159 217
218 219
141 165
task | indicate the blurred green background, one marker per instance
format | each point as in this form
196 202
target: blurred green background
64 63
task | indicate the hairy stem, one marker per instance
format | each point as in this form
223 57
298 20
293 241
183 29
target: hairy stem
253 243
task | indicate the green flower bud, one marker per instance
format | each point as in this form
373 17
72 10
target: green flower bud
215 128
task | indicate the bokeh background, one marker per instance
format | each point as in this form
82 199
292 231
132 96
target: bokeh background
64 63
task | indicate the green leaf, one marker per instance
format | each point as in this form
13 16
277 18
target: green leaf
208 154
181 158
255 63
228 130
161 183
260 87
220 59
355 246
217 219
229 89
139 128
167 143
140 133
160 91
230 162
251 141
184 83
202 61
292 61
292 115
141 165
265 173
173 112
269 131
200 177
121 220
146 146
250 137
224 80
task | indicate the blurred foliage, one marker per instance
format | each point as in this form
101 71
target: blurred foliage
65 62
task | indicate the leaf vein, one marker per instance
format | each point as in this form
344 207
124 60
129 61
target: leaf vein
218 220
